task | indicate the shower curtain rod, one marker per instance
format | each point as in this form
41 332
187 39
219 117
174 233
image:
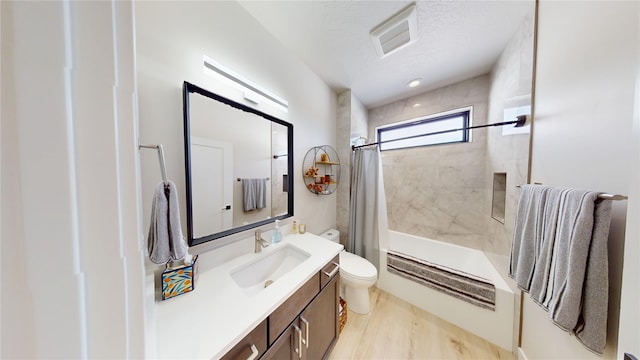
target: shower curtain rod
521 121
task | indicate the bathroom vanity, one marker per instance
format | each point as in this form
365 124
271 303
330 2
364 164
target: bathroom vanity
305 326
226 316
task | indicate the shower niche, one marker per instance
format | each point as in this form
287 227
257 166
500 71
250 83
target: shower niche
321 170
499 200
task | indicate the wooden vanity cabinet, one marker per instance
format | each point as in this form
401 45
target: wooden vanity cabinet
286 346
314 331
252 346
305 326
319 327
286 313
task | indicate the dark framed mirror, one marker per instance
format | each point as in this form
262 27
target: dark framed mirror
238 162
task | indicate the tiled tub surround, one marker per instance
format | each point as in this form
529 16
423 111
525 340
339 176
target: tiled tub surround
438 192
494 325
511 81
444 192
209 321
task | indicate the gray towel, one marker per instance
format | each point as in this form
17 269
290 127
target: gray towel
570 277
540 280
579 302
575 226
526 194
165 241
527 234
592 324
254 193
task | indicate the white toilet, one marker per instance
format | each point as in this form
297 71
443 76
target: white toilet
357 275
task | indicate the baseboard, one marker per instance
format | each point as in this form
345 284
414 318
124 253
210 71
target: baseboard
521 354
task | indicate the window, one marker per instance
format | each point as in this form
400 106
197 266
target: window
413 133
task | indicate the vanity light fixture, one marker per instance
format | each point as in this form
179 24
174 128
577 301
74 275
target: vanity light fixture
415 82
251 91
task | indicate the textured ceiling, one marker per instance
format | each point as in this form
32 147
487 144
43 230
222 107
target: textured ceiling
457 40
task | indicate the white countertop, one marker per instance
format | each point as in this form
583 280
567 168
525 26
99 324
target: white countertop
209 321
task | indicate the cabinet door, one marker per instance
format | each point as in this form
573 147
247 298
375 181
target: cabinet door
288 345
319 322
290 309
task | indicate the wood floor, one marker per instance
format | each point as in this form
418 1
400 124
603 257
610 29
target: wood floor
395 329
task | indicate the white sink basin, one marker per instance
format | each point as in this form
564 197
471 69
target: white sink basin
268 267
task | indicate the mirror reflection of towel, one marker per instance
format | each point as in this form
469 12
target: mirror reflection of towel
254 193
165 241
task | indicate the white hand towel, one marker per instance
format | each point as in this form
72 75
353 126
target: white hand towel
165 241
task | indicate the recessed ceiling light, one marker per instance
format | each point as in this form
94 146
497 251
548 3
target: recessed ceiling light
415 82
417 105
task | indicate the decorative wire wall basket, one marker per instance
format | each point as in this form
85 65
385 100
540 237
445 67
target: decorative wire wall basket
321 170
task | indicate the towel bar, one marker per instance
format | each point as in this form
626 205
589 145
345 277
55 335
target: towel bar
160 149
603 196
240 179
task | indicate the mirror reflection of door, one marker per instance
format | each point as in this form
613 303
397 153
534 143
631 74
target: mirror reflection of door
254 137
212 180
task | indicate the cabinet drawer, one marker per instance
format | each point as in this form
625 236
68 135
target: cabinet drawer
329 271
257 337
287 312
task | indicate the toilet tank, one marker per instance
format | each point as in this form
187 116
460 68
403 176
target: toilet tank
332 235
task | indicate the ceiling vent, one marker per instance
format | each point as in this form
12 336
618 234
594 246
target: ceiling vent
396 32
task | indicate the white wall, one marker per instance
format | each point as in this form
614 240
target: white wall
359 119
171 39
629 330
71 253
587 59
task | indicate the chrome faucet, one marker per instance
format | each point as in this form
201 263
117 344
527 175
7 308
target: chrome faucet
260 242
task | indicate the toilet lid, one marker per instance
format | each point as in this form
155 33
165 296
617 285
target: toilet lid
356 266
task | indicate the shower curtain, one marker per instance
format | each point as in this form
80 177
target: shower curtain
368 209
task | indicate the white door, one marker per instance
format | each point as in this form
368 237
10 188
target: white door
211 184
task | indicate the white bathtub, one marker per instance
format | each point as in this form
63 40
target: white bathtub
494 326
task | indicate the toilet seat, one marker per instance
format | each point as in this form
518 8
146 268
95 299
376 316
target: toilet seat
355 268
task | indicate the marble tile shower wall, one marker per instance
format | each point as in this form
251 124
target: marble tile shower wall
439 192
343 131
511 78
